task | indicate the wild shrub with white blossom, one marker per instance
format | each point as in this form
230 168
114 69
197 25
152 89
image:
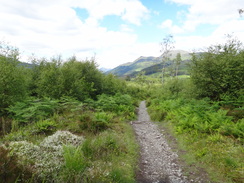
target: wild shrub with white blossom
46 159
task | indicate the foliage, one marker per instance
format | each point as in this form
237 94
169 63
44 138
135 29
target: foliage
73 78
106 108
49 81
100 147
74 159
64 157
33 109
13 80
219 72
221 156
196 115
55 95
44 126
94 122
112 155
80 79
119 104
210 132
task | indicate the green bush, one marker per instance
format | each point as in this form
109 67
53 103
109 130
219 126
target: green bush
14 78
95 123
33 109
219 71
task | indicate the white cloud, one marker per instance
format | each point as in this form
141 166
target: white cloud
221 14
48 28
125 28
132 11
200 43
173 29
234 26
215 12
128 53
195 43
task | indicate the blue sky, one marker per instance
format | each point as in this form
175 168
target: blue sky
116 31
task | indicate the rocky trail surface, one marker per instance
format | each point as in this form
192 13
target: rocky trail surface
158 163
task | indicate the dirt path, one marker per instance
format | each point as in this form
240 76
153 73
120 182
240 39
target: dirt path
158 163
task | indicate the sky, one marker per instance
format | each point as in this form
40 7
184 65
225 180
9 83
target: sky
116 31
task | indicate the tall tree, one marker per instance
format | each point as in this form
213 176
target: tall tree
166 46
177 63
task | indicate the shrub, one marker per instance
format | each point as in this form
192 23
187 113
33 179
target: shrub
219 71
45 159
10 169
33 109
14 78
95 123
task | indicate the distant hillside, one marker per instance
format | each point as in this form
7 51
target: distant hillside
104 69
158 68
147 64
27 65
137 65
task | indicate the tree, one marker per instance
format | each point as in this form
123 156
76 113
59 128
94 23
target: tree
166 46
13 77
78 78
50 82
177 63
219 71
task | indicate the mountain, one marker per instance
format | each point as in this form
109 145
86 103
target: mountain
148 64
137 65
157 68
103 69
27 65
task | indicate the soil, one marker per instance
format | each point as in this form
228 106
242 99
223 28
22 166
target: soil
158 162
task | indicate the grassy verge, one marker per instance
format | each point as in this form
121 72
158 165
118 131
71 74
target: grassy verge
201 133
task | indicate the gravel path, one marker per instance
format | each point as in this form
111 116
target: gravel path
158 162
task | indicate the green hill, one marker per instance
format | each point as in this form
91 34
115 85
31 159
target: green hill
136 66
149 65
157 68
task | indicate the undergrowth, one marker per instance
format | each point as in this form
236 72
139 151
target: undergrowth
210 137
108 152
